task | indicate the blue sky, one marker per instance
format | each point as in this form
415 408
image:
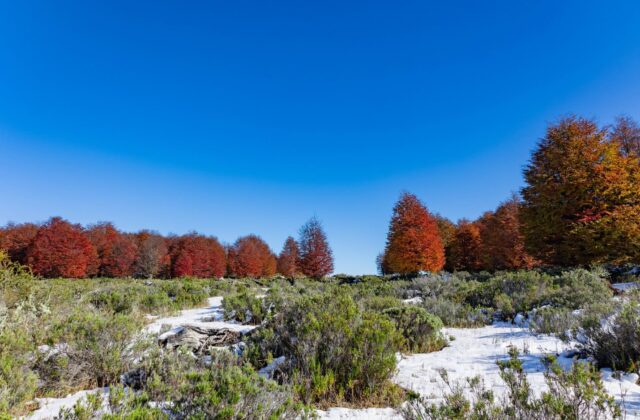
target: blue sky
242 117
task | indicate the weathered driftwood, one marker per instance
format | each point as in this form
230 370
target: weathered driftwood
198 338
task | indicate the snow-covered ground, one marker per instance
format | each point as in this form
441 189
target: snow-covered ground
474 352
50 407
471 352
211 316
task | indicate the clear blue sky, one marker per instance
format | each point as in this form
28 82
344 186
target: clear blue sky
237 117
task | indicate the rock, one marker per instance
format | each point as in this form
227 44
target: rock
134 379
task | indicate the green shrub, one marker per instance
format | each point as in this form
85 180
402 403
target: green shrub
455 314
333 350
551 320
244 307
113 300
580 288
613 338
420 329
97 349
227 390
574 394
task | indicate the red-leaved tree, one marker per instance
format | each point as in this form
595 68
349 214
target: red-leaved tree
463 252
195 255
413 241
288 258
153 258
316 257
250 256
61 249
116 251
503 245
15 240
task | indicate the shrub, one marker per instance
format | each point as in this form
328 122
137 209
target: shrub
613 340
575 394
579 288
420 329
113 300
455 314
244 307
181 386
380 303
227 390
551 320
334 351
97 349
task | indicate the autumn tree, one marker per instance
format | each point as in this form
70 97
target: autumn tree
288 258
194 255
61 249
463 252
15 240
413 240
446 228
250 256
152 259
316 257
502 242
116 251
581 202
626 134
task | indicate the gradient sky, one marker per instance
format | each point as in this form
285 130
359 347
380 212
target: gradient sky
237 117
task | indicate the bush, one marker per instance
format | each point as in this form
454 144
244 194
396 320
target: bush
21 317
333 350
244 307
113 300
97 349
455 314
579 288
575 394
613 339
227 390
420 329
550 320
181 386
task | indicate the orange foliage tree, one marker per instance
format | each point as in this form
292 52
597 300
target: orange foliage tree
413 241
250 256
316 257
116 251
626 134
61 249
581 202
288 258
15 240
502 242
463 252
194 255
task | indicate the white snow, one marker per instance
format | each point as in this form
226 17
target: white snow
474 352
624 287
50 407
471 352
211 316
413 301
268 370
361 413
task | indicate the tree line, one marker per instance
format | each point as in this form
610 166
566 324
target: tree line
59 248
580 205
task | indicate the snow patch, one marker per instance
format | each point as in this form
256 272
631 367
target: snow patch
49 408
